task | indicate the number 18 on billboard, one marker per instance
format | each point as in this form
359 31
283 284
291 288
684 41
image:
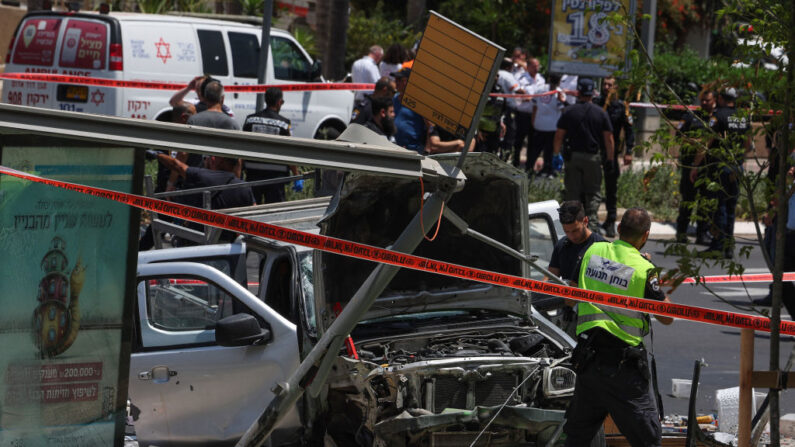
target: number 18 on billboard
582 41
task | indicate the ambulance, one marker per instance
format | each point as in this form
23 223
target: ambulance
165 49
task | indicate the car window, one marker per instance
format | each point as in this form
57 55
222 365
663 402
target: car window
35 44
185 304
542 242
85 45
245 54
289 63
213 53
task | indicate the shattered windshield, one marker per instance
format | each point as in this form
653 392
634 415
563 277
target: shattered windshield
308 287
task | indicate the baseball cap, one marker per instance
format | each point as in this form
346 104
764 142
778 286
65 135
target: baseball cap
585 86
729 93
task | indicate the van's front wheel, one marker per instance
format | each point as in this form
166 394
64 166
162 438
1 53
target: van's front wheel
327 132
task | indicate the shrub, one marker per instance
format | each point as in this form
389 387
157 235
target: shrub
365 31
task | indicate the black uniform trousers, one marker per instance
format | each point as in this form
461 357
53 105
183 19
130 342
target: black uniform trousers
687 195
607 386
524 133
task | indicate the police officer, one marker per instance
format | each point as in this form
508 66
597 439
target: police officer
590 134
725 159
620 119
270 122
610 360
362 110
694 128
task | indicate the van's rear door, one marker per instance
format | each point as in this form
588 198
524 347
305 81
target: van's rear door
75 45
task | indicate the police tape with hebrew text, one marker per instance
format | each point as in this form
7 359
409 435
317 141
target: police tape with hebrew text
376 254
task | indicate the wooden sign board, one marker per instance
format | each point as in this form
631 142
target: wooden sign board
452 69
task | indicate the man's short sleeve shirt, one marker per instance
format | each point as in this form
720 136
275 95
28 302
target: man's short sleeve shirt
584 124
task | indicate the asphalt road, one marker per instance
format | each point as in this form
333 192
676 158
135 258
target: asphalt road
679 345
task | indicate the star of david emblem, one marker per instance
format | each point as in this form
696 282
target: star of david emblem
97 97
163 50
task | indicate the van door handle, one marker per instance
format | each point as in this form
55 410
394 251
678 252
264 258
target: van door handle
158 374
236 94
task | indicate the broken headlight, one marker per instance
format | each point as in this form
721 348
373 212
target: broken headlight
558 381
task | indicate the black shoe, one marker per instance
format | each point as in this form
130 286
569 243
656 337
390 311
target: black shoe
710 253
610 228
704 240
766 301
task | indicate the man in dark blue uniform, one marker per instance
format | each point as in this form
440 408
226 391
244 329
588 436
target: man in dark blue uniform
724 161
694 128
621 119
270 122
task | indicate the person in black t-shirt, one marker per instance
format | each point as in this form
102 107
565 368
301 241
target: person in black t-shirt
568 251
589 132
578 238
269 121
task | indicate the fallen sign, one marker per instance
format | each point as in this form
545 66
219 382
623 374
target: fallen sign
396 258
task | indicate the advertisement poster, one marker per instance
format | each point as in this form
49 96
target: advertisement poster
582 42
64 274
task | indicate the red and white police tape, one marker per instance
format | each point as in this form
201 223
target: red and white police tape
376 254
104 82
257 88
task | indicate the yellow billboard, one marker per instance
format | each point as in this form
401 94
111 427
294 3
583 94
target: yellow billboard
582 41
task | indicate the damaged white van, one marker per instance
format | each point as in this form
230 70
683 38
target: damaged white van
169 49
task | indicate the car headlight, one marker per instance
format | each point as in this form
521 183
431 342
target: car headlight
558 381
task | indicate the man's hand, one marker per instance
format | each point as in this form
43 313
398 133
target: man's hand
539 165
298 185
627 159
693 175
662 318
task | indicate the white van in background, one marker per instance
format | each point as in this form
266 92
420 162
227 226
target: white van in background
159 48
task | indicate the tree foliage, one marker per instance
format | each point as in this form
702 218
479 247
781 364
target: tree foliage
375 28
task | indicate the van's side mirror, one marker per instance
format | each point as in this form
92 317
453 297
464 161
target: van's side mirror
317 70
240 330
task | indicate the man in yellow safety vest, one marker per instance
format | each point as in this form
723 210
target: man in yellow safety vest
611 362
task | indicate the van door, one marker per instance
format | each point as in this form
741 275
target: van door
215 62
244 48
306 110
184 387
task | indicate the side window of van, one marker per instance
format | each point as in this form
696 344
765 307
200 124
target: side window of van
213 53
245 54
35 44
289 63
85 44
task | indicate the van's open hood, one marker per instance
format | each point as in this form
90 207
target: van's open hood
374 210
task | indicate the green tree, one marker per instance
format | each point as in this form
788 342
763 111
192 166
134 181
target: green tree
367 29
761 90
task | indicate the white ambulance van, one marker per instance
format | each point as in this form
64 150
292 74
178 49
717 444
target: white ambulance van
160 48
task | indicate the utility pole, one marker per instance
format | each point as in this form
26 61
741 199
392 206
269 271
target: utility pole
649 117
264 48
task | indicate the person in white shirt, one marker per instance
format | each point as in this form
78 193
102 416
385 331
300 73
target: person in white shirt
393 59
569 83
546 112
532 83
365 70
509 85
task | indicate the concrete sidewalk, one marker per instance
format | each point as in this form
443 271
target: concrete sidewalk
667 230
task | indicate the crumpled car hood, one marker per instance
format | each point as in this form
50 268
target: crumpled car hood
375 209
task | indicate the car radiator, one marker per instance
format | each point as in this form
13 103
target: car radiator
452 392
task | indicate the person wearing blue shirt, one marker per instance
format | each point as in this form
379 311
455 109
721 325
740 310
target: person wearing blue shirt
410 129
